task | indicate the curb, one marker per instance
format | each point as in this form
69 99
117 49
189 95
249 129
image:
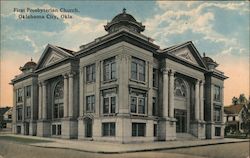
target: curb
139 150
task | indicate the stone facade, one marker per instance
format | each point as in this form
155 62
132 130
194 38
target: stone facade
120 87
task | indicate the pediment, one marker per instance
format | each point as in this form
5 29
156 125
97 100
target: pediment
185 54
53 58
52 55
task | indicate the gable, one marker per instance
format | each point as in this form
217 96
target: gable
185 54
52 58
188 53
52 55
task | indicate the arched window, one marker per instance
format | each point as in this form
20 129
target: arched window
58 100
180 88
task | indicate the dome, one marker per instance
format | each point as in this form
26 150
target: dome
124 20
123 17
209 62
208 59
30 65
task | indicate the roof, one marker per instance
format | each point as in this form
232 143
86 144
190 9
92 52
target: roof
66 50
124 20
4 110
233 109
29 65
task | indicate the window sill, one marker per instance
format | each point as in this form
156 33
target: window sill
110 114
108 81
138 81
138 115
155 88
89 82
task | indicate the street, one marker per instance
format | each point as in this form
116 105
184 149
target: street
11 149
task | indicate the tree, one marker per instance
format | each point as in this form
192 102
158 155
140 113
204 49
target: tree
246 119
242 99
235 100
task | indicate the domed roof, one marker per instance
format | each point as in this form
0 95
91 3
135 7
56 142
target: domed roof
124 19
29 65
209 61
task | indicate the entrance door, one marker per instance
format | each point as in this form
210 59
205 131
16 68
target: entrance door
88 128
181 124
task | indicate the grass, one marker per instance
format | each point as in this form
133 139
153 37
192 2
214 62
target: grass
23 140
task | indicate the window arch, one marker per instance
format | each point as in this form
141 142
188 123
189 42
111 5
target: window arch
58 100
180 89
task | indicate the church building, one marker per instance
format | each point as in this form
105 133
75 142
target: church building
120 87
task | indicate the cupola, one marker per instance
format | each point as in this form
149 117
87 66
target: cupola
124 20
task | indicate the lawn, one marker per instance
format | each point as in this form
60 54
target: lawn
23 140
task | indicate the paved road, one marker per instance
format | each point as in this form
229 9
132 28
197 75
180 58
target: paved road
12 149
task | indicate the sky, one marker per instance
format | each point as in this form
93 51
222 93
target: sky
220 29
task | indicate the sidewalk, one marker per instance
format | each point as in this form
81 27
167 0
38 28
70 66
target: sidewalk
108 148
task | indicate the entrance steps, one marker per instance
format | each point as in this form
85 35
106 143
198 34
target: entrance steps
185 136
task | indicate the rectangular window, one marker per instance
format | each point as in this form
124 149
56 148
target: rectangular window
155 77
109 101
155 130
58 110
138 103
28 111
217 93
109 104
90 73
109 69
217 114
61 111
217 131
19 95
108 129
90 103
59 129
28 91
138 129
53 129
138 69
19 113
154 106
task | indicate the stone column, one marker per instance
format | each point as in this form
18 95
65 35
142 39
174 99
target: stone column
65 95
202 100
71 88
197 111
81 97
165 93
40 101
171 94
44 97
24 104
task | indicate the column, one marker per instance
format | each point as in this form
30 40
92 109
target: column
40 101
81 96
14 105
65 95
44 109
222 103
171 93
202 100
165 93
197 111
24 104
71 88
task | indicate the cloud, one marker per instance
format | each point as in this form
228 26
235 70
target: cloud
199 18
